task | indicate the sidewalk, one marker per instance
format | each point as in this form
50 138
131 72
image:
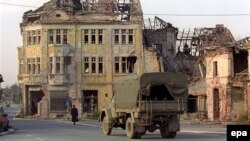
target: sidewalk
186 127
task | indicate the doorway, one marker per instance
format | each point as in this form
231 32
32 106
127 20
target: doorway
216 104
36 96
89 101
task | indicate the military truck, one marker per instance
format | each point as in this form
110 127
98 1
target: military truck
146 103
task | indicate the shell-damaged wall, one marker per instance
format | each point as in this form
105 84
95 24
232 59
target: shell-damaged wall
218 64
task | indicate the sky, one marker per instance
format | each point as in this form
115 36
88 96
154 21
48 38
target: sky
11 17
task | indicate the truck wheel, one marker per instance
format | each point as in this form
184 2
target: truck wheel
138 135
130 129
105 126
166 134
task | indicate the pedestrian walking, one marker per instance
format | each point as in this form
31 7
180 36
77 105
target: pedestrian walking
74 114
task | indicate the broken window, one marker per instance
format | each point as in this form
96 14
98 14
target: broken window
65 36
38 66
50 64
100 66
90 101
93 64
240 59
86 65
67 62
131 63
51 36
117 62
58 64
123 39
93 39
58 36
39 37
100 40
34 37
215 68
28 66
29 38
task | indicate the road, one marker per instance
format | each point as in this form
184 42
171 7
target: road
58 130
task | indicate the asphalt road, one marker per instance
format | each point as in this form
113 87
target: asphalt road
37 130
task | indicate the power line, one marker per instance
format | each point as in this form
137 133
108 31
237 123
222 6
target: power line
159 14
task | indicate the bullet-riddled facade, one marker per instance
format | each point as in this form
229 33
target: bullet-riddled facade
76 49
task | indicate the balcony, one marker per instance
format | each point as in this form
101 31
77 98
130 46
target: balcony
59 79
32 79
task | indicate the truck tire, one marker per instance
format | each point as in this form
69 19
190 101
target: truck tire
105 126
166 134
130 129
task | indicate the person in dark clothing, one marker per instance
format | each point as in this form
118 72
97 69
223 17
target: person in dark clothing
74 114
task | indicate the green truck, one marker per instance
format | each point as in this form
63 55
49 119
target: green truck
146 103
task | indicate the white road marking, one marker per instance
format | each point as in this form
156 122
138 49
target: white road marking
40 139
28 135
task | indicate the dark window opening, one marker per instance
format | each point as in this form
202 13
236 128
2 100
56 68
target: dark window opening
100 66
131 63
90 101
130 39
86 39
192 104
93 65
93 39
100 39
58 39
65 39
240 61
123 39
215 68
116 39
117 68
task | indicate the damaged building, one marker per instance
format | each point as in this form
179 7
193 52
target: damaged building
76 49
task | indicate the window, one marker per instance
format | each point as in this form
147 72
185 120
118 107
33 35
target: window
123 39
39 37
215 68
51 65
20 66
67 62
28 66
86 65
58 64
29 38
93 39
34 37
58 36
125 64
130 37
93 64
100 66
51 36
33 65
100 40
117 62
38 66
116 38
65 36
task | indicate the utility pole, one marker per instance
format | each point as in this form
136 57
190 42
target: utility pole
1 80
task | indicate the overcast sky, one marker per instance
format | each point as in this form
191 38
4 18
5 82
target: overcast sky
11 16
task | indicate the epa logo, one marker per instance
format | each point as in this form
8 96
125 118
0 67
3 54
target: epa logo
239 134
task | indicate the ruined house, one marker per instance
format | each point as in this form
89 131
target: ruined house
76 49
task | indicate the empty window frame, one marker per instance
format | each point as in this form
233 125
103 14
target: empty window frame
58 36
34 37
93 36
58 64
38 37
51 65
38 66
93 64
100 36
51 36
100 64
67 62
86 64
65 36
33 65
215 68
28 66
130 36
86 36
117 64
29 38
124 64
116 36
